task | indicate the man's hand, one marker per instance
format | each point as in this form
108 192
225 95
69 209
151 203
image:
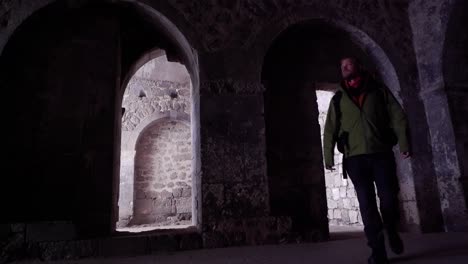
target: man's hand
330 168
405 154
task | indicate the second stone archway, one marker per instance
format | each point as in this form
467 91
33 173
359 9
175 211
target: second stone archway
322 43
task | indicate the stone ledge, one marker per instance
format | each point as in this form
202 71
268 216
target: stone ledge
123 244
248 231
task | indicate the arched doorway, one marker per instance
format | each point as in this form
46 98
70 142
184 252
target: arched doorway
159 67
156 149
62 90
302 60
66 93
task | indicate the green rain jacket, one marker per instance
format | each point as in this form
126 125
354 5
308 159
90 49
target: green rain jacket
370 129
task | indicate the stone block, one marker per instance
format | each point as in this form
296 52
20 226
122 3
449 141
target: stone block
177 192
337 214
213 201
215 153
245 200
345 216
59 250
332 204
214 194
342 192
356 202
353 216
184 205
337 179
183 184
150 195
164 195
187 192
336 194
340 204
182 157
347 203
328 180
254 162
344 182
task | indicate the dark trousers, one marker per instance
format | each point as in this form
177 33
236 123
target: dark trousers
380 168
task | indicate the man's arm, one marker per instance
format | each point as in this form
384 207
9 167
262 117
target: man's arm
399 124
329 139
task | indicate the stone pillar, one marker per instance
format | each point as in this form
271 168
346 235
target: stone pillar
446 163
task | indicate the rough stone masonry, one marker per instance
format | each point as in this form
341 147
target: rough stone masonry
156 157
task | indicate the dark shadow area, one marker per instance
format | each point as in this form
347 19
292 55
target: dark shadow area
455 70
344 233
442 252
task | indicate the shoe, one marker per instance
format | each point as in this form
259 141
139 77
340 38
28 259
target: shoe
379 254
396 244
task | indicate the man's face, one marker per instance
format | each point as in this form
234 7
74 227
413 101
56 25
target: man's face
349 69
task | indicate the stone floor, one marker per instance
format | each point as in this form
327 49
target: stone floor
346 246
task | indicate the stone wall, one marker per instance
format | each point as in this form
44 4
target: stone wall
163 182
158 86
343 206
66 115
156 150
146 96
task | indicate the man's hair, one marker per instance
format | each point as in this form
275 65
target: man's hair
355 60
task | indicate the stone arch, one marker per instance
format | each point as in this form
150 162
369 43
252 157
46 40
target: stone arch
376 54
20 12
152 54
85 119
16 12
185 54
162 178
146 102
388 74
47 86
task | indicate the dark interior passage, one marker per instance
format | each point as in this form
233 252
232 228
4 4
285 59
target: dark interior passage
456 79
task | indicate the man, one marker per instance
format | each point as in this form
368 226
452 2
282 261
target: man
365 120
